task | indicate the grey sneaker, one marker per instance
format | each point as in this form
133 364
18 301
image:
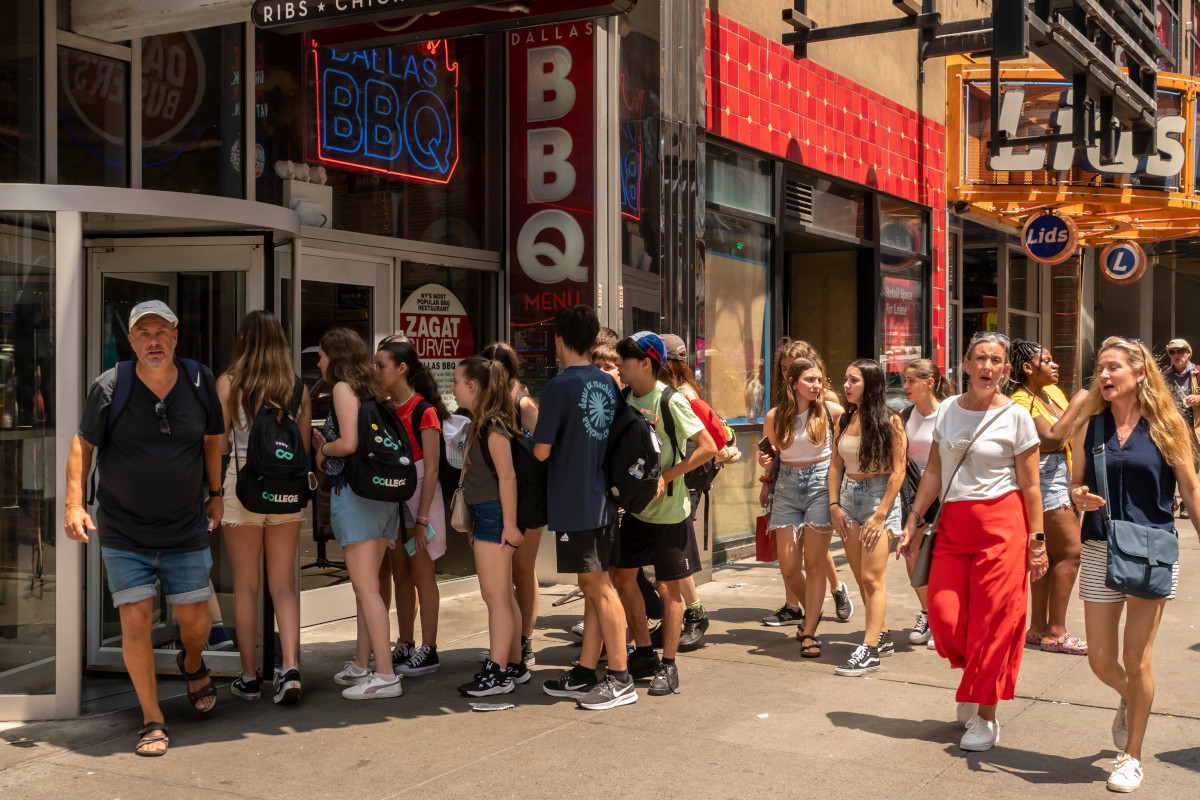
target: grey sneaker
920 633
608 693
665 680
842 603
786 615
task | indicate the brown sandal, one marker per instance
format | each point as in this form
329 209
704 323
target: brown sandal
207 690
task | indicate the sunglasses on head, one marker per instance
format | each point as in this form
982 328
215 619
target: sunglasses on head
160 410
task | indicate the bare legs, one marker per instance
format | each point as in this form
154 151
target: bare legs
869 566
791 565
493 562
246 544
1049 596
816 553
1128 672
604 622
362 561
525 580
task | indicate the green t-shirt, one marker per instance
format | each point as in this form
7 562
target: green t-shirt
674 506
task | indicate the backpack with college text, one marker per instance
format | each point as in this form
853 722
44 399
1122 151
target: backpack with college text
632 458
532 475
275 478
382 467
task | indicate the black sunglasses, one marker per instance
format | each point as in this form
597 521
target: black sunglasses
1176 350
164 425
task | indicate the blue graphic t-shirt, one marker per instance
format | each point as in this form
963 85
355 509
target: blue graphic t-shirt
575 412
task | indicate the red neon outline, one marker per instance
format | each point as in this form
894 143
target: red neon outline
1139 254
432 47
1067 252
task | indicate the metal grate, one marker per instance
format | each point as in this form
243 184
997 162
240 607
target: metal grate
797 201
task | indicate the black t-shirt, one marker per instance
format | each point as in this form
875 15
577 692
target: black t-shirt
152 486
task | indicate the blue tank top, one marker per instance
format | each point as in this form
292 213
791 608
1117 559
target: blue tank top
1141 484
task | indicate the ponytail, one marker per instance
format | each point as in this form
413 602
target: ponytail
925 370
495 404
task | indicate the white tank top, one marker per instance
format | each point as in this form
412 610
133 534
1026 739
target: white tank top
802 450
241 434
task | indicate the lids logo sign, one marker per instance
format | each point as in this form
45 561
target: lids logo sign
1049 238
1123 262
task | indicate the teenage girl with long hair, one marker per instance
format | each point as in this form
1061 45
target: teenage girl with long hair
361 526
791 612
524 561
1034 385
865 476
800 429
408 384
926 387
261 372
1148 450
481 386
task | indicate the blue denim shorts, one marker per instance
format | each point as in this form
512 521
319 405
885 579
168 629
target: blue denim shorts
860 499
489 521
1055 481
131 575
356 519
801 497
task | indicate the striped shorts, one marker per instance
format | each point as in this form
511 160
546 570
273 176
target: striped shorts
1093 564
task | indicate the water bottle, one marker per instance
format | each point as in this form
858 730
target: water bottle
638 469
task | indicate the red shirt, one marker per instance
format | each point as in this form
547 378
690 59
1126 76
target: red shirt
428 420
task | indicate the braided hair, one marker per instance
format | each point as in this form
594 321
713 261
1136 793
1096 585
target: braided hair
1023 353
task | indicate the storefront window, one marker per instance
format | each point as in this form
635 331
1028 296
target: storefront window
279 107
93 119
904 322
734 179
731 352
192 93
841 210
21 94
902 227
27 463
407 136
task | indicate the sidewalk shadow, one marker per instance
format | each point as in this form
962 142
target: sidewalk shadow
1188 758
1032 766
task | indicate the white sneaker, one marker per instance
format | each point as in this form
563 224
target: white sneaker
981 735
1120 728
966 711
1127 776
351 675
930 645
375 686
920 633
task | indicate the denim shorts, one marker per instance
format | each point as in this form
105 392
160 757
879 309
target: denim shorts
489 521
1054 480
860 499
801 497
356 519
131 574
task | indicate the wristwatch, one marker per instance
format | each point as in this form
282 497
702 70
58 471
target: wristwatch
1038 537
217 493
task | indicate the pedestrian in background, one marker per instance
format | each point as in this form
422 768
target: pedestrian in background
1183 379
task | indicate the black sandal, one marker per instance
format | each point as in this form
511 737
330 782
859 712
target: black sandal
148 740
207 690
807 650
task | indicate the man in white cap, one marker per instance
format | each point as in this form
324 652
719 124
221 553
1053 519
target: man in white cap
1184 380
156 426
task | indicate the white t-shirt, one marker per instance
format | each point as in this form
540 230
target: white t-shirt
990 471
919 430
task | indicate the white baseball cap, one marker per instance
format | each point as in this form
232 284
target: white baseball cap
155 308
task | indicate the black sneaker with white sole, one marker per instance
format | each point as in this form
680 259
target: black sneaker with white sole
642 666
695 623
246 688
665 680
608 693
786 615
423 661
287 687
569 685
492 679
519 673
886 646
403 651
864 659
843 605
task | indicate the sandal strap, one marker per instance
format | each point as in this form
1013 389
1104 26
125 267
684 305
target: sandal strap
207 690
192 676
153 726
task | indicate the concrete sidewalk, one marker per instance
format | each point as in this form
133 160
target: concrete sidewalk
750 719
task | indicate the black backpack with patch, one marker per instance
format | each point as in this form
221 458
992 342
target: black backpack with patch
275 476
532 475
632 459
382 468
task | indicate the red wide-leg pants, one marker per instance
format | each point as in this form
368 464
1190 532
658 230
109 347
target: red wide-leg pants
978 594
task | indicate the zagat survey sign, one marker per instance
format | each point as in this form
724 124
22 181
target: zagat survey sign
392 110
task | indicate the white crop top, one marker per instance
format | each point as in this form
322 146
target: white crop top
802 450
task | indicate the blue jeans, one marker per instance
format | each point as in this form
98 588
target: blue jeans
861 498
131 574
488 517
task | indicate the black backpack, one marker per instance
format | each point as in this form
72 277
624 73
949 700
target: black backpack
382 468
274 479
448 475
912 480
632 458
532 475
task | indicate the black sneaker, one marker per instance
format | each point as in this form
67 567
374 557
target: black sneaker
519 673
864 659
568 685
786 615
886 646
608 693
842 603
402 651
527 651
665 681
287 687
246 688
695 623
492 679
656 634
423 661
641 666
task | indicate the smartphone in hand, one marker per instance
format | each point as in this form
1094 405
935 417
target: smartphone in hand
410 546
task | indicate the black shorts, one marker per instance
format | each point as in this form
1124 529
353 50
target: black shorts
671 549
586 551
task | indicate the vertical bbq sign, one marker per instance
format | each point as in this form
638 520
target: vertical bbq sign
552 187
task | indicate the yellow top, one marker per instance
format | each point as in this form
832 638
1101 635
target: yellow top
1037 408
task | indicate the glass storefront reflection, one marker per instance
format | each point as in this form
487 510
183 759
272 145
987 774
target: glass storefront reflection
27 468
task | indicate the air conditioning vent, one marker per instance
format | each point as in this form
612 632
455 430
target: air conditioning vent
798 201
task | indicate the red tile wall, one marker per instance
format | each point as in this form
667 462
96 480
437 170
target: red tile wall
761 96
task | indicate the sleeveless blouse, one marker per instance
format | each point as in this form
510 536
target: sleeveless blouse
1141 484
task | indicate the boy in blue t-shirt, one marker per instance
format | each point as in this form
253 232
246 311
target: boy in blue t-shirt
575 414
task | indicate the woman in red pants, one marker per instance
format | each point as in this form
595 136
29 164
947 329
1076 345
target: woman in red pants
989 535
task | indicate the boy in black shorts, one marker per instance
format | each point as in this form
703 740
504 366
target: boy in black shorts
660 535
577 410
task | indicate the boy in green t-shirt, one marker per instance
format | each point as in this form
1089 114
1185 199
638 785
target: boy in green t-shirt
660 535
